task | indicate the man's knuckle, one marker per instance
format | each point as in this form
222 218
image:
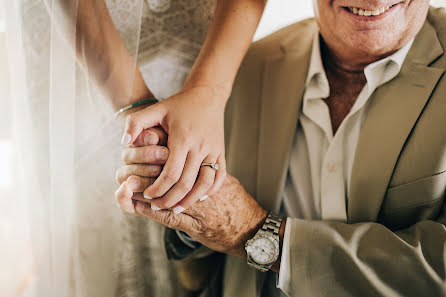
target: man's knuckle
148 153
155 170
118 176
144 209
125 155
197 226
171 220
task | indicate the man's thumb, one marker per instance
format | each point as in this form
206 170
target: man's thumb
147 118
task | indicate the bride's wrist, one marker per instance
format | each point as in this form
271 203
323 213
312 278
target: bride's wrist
121 118
219 93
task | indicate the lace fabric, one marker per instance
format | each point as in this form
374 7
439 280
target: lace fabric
172 32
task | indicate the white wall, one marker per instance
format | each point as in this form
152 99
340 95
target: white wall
279 13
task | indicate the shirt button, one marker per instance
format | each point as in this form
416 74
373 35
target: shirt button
331 166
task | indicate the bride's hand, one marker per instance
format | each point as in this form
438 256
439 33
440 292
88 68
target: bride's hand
193 119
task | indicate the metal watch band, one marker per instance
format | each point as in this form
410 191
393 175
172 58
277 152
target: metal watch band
271 226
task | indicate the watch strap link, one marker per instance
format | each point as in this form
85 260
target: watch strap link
272 224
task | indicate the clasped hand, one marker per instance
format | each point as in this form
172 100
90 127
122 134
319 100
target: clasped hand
224 222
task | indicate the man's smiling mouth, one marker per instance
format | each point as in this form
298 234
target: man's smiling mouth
371 13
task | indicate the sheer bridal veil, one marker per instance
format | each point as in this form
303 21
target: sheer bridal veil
65 147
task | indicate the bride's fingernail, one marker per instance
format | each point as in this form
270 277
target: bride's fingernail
204 197
147 196
126 138
154 207
178 209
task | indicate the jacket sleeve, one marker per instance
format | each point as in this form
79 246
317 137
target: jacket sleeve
366 259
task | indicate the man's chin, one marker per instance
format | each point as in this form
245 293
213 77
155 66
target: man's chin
373 46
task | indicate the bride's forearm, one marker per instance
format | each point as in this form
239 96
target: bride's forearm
100 49
227 41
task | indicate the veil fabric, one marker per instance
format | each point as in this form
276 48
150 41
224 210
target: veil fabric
65 236
66 148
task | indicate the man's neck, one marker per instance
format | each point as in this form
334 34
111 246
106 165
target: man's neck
339 65
340 69
346 81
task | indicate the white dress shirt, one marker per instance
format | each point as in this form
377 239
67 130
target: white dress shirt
320 163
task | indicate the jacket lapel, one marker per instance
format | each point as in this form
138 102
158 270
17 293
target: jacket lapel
283 86
392 114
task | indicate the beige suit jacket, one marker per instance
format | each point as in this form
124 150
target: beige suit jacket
395 241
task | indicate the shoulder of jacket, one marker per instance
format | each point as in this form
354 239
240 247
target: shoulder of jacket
436 17
285 39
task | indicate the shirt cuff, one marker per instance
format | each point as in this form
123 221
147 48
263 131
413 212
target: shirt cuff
175 246
187 240
284 280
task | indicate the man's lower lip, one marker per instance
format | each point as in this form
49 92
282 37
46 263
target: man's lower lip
371 18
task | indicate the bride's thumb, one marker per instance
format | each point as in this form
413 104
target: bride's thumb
136 122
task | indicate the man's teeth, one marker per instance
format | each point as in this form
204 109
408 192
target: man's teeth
364 12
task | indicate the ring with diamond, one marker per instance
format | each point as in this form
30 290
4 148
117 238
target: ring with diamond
214 166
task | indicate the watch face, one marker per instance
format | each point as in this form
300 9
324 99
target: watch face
263 250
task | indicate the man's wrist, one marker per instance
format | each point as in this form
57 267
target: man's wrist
276 265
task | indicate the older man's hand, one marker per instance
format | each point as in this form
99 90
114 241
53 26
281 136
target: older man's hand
224 222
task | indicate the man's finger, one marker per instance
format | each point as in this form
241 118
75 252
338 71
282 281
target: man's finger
151 136
168 218
144 170
146 137
123 196
135 123
162 135
138 184
152 154
139 197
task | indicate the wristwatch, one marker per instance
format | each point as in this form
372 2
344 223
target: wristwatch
263 249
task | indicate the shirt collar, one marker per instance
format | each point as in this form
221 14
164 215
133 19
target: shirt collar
382 71
316 83
376 73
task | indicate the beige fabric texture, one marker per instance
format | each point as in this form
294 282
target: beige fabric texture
395 241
